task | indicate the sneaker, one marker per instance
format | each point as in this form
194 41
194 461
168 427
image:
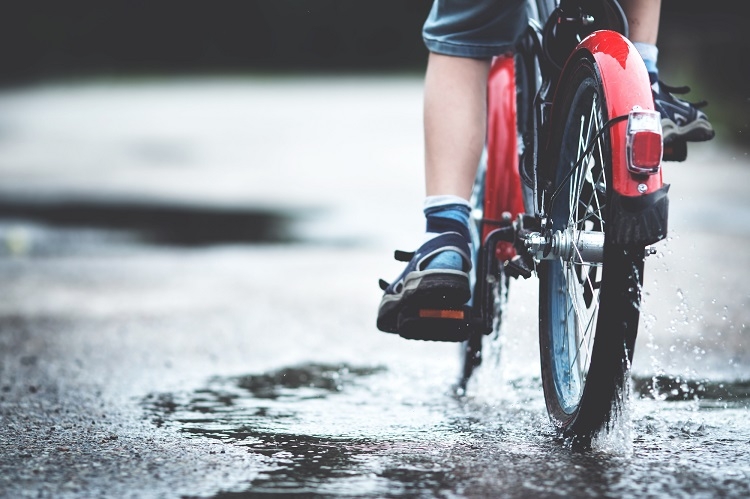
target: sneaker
421 286
680 120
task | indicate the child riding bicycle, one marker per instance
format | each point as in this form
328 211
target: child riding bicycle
462 38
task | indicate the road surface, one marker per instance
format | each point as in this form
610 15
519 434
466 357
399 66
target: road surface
190 271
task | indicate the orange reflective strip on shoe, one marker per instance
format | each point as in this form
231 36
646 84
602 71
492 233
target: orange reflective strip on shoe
441 314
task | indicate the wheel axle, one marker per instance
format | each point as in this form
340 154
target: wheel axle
573 245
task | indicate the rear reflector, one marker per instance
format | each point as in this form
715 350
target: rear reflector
644 144
441 314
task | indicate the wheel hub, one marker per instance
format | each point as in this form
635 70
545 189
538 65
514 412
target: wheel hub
577 246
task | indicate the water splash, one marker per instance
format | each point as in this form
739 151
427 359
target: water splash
709 393
616 438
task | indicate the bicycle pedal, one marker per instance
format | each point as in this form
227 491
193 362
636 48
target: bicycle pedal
435 324
519 267
675 150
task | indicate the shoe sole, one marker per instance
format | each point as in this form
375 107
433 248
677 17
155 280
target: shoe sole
413 325
698 131
425 289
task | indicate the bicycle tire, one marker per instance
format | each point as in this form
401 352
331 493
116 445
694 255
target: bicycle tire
588 314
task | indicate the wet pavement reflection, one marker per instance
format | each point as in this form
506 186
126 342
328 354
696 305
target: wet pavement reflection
357 431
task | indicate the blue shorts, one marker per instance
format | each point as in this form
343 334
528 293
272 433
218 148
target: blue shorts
478 29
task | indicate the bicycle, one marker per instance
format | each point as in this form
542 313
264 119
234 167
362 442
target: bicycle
570 189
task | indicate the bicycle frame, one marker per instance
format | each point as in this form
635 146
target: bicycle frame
503 192
516 192
626 86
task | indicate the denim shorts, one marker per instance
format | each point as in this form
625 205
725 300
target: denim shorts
478 29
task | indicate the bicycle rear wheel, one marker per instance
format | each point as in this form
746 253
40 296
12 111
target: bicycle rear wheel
589 310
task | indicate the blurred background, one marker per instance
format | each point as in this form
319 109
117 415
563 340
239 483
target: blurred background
703 45
192 190
197 124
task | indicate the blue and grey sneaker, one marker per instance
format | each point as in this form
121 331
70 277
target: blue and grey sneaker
436 277
680 120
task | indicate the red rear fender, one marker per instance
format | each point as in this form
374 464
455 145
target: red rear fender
626 85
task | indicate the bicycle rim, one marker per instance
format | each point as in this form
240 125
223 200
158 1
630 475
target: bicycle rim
588 311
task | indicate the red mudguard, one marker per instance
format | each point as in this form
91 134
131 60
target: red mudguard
626 85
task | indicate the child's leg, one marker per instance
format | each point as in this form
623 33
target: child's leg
643 25
455 98
462 37
643 20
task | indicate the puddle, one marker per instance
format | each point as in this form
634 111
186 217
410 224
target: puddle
149 222
323 428
706 392
340 430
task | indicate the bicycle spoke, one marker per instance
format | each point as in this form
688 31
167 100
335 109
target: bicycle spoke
588 338
585 212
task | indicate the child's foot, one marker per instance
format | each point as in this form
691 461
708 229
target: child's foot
680 120
437 274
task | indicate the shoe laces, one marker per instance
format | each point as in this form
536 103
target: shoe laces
682 90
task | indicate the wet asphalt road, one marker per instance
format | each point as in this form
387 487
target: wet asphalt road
189 276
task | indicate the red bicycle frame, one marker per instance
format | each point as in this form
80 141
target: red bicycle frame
626 87
503 180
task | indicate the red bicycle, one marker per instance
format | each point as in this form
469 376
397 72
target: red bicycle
571 191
